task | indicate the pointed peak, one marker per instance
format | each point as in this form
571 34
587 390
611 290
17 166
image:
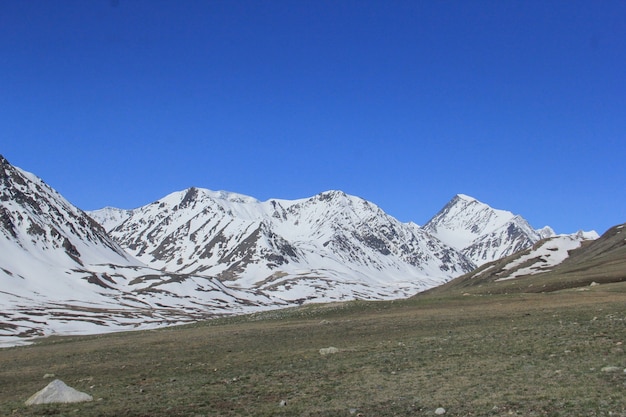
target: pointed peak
466 202
464 197
5 166
462 201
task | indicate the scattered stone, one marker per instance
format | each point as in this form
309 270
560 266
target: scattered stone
593 284
283 403
611 369
48 376
328 351
58 392
440 411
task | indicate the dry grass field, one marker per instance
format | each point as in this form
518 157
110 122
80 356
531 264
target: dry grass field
479 355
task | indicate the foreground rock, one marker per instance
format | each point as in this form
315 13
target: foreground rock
328 351
58 392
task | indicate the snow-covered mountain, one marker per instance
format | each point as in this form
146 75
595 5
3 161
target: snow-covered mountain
482 233
61 272
197 253
331 246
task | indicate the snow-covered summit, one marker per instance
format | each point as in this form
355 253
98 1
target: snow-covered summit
305 248
464 219
43 225
481 232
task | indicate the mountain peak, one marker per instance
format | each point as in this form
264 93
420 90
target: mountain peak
5 169
331 195
43 224
193 194
464 197
481 232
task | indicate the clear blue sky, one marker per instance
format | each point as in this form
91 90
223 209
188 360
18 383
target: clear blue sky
521 104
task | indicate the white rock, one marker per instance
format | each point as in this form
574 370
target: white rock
328 351
440 411
58 392
611 369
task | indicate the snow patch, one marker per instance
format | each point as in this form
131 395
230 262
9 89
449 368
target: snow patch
551 253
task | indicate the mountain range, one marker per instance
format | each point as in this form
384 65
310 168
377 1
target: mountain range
197 253
331 246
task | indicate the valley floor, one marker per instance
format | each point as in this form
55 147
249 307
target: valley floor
525 354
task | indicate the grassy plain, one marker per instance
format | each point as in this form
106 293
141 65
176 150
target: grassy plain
478 355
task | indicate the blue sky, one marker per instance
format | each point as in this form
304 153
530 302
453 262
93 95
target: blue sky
521 104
